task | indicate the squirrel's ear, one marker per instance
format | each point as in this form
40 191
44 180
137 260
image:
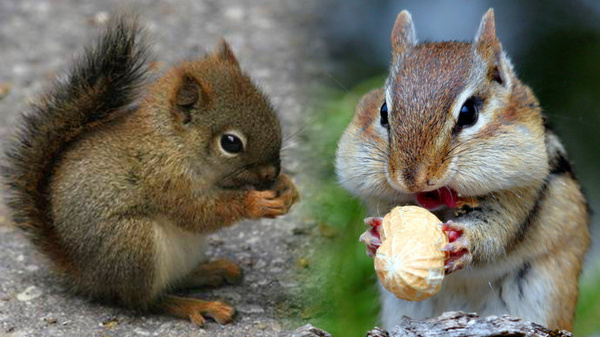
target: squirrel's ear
224 53
488 46
404 36
189 94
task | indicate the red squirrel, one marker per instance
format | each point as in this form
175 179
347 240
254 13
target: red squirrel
118 180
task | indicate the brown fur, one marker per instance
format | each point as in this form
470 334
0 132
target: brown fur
119 195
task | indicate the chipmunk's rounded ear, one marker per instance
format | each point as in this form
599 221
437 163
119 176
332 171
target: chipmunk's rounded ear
225 53
404 36
486 41
488 46
189 95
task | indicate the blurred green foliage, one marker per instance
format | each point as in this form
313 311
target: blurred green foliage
587 316
348 302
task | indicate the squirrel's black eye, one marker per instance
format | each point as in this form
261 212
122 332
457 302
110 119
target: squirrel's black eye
468 114
384 116
231 143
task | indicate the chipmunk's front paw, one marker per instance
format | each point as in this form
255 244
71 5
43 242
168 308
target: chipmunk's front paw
458 248
272 203
372 237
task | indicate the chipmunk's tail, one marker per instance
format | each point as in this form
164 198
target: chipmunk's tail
103 82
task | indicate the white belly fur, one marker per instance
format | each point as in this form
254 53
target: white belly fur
178 252
472 291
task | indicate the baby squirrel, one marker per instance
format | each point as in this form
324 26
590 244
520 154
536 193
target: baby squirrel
120 192
453 122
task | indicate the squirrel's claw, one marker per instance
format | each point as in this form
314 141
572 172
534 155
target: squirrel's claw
219 312
197 310
272 203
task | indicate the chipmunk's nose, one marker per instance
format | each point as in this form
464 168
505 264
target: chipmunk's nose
415 179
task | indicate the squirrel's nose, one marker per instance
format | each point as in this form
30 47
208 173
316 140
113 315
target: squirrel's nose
266 176
267 172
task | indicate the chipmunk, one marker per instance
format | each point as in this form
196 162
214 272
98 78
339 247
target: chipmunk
452 123
118 181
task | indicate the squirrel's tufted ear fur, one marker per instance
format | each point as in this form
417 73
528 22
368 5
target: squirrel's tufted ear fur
486 42
189 95
224 53
188 92
404 36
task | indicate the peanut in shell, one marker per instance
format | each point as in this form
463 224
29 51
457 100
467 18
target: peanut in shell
409 262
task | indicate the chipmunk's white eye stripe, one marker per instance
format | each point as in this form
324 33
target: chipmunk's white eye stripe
480 120
388 98
460 102
231 143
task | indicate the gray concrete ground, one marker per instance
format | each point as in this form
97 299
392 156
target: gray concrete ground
271 40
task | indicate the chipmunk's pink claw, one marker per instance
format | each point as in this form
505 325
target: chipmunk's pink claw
374 222
450 229
458 248
371 237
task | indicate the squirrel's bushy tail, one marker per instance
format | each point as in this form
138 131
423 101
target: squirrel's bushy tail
102 82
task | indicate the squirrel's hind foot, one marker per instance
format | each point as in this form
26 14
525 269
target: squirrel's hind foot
197 310
212 274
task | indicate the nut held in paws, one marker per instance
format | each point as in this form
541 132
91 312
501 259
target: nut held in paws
409 262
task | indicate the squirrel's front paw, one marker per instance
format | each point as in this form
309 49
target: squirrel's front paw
286 189
272 203
458 248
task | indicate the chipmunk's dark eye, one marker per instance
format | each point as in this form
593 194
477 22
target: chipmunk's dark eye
468 114
384 116
231 143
